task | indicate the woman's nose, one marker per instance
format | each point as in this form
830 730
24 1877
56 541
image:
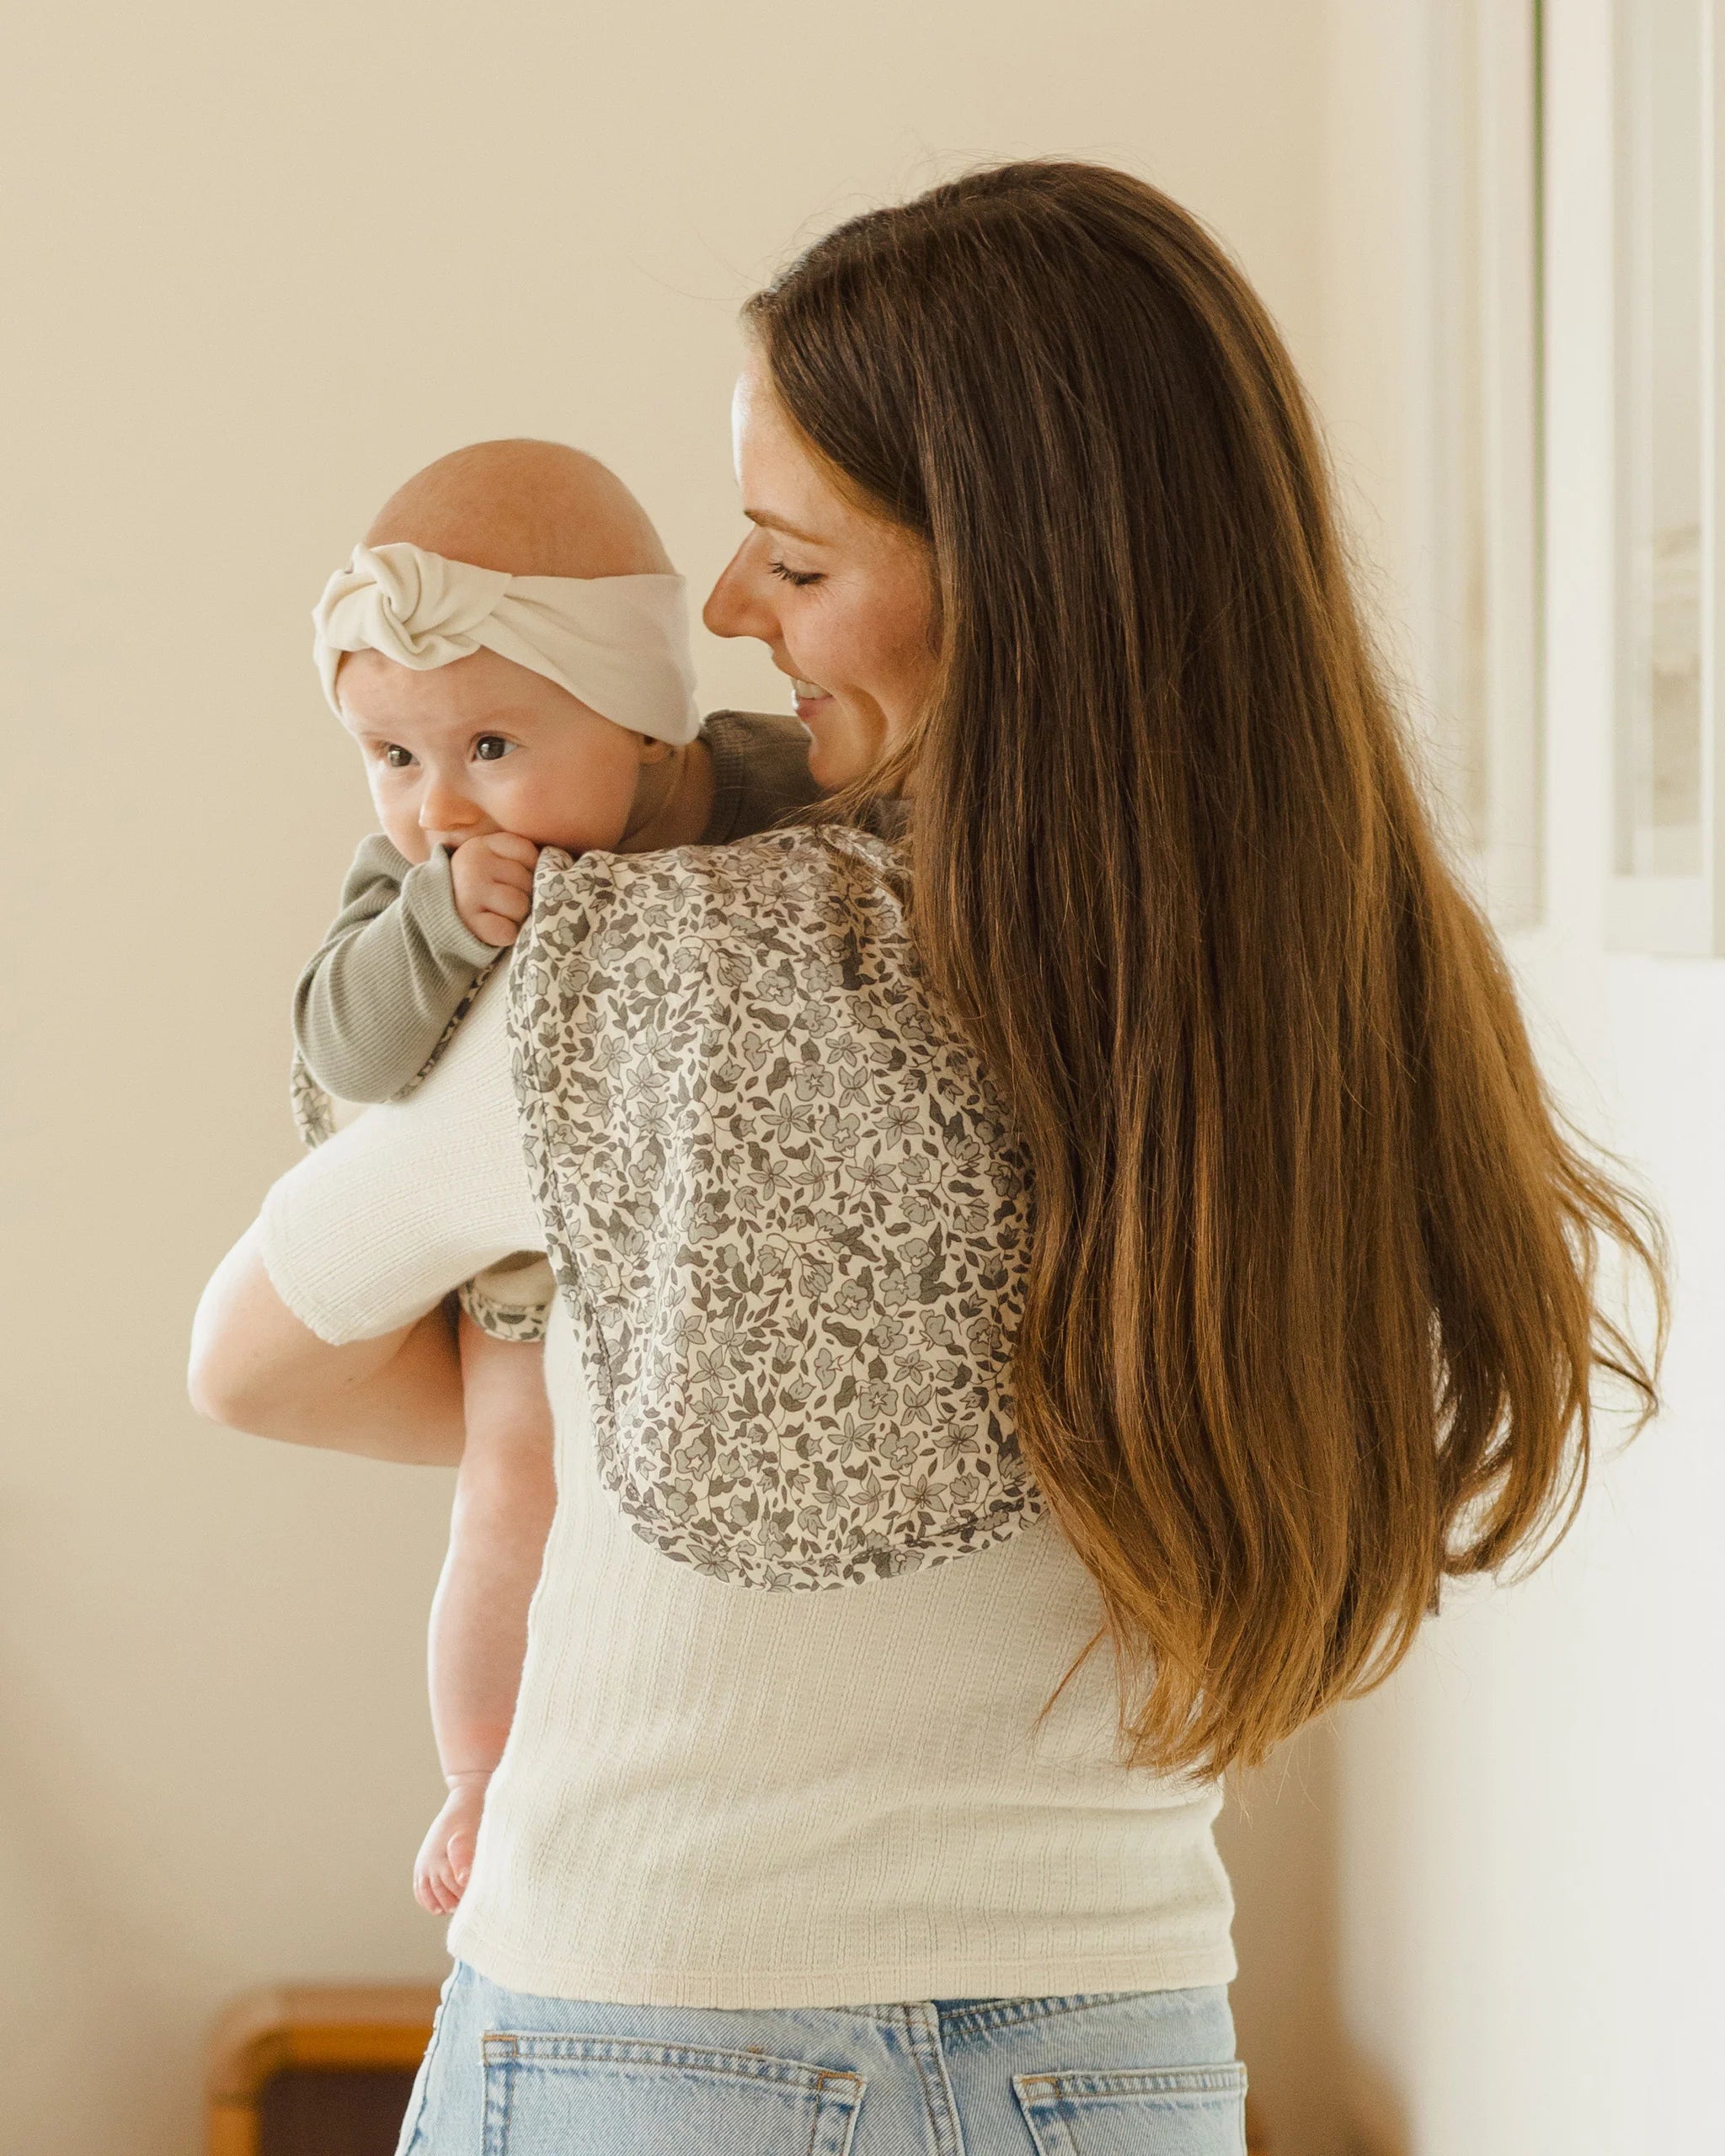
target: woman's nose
737 605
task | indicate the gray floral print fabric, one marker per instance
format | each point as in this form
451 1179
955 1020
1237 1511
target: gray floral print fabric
511 1300
783 1201
313 1111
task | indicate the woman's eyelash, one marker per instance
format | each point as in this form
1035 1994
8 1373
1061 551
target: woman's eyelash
798 577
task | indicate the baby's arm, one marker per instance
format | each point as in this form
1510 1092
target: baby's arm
406 948
505 1493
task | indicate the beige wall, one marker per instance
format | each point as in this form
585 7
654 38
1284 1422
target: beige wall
260 264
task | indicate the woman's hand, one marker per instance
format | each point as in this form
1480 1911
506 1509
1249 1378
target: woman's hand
255 1367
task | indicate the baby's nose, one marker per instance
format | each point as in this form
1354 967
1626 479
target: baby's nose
441 809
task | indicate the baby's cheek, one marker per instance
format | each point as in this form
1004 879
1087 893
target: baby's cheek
401 827
602 822
588 812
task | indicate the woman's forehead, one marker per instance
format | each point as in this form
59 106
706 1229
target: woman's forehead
784 488
788 488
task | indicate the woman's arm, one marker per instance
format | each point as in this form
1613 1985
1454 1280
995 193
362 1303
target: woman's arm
324 1325
255 1367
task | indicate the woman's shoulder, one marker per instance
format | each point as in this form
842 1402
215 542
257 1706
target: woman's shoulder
818 880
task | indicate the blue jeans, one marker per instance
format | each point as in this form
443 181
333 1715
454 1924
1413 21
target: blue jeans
1102 2073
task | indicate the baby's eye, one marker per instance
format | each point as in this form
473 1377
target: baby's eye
489 747
396 756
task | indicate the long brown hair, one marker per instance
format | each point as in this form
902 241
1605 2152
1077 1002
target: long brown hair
1311 1319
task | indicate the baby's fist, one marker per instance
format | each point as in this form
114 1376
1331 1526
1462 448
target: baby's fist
494 884
446 1853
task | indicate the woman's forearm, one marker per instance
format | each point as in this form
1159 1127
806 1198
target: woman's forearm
255 1367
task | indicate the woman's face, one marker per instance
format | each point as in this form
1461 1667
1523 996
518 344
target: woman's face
841 598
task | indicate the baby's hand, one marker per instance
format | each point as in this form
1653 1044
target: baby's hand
446 1853
493 884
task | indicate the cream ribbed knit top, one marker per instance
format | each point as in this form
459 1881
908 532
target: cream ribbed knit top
777 1743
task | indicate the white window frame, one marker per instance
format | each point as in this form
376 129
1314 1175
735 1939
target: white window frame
1484 77
1678 915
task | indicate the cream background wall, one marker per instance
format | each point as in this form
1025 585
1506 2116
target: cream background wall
259 265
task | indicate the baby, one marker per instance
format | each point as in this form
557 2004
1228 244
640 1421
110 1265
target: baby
509 649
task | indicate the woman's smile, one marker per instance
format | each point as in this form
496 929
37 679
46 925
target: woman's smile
808 696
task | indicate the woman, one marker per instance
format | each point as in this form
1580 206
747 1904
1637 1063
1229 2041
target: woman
1047 1303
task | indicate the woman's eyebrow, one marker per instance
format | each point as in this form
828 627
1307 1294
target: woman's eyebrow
769 522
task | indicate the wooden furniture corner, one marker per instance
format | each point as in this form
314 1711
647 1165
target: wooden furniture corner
307 2028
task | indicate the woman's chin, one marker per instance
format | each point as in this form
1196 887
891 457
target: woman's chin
840 750
829 763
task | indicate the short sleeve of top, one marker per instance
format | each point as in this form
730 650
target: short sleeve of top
374 1227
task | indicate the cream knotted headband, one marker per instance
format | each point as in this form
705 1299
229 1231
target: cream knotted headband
620 643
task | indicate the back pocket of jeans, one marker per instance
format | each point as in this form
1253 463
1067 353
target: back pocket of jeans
1185 2110
608 2096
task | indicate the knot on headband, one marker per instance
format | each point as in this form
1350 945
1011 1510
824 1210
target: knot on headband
619 643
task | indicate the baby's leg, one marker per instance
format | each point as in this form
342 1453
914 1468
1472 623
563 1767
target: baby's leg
505 1493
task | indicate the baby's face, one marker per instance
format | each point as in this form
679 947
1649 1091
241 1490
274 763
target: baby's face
483 746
